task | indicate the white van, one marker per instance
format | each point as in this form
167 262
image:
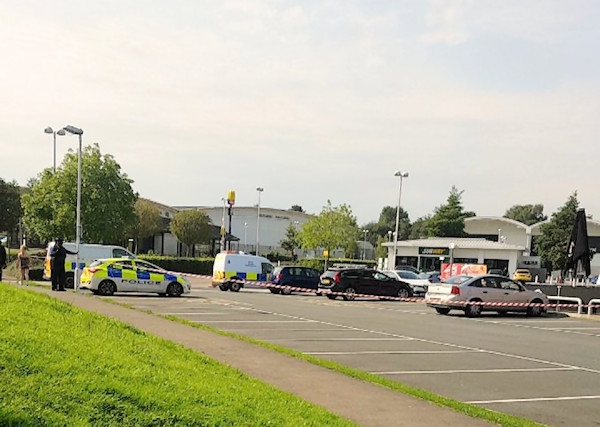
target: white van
87 254
238 265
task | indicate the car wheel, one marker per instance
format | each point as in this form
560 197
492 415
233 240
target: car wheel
331 296
106 288
474 310
174 289
535 311
274 291
70 281
235 287
349 294
286 291
442 310
224 287
403 293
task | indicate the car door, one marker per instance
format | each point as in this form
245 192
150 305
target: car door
312 278
369 283
387 285
149 278
487 289
123 274
513 292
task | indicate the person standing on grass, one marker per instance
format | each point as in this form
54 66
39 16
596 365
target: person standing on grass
23 266
2 259
58 255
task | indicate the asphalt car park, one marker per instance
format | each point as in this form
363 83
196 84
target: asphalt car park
545 369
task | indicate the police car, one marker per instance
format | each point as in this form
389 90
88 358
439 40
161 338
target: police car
107 276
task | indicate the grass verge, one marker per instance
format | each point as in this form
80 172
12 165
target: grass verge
61 365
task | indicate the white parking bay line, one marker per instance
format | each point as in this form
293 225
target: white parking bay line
337 353
192 313
354 339
474 371
256 321
573 329
534 399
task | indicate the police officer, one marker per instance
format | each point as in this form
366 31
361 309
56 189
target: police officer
2 259
58 254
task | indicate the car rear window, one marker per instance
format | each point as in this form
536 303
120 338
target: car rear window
329 273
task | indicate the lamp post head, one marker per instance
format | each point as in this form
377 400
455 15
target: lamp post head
61 132
400 174
73 130
452 245
48 130
259 189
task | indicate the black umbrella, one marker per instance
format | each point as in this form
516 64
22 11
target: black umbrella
578 252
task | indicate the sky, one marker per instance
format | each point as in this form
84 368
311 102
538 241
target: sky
312 100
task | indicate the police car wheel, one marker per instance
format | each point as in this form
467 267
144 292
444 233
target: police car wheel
224 287
174 289
106 288
235 287
70 281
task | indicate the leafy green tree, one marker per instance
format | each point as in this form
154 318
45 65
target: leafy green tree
449 220
107 199
333 228
551 246
191 227
527 214
148 221
420 228
10 206
290 242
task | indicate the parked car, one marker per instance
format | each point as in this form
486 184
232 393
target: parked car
363 281
407 267
297 277
496 271
417 283
431 276
522 275
107 276
482 289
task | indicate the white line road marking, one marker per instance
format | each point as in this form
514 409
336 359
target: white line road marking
534 399
573 329
256 321
192 313
286 330
338 353
475 371
461 347
353 339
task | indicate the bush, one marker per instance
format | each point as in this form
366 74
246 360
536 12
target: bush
202 266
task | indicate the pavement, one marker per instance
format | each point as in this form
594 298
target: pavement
362 402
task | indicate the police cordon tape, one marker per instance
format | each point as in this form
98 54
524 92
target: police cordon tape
349 296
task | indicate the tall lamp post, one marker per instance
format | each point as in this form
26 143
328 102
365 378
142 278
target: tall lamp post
54 133
223 232
76 131
451 246
401 175
260 190
364 243
245 236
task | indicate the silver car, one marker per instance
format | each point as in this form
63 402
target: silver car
484 293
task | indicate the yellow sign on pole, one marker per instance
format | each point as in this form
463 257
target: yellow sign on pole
325 253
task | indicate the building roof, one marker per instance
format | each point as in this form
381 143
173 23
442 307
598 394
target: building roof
498 219
464 243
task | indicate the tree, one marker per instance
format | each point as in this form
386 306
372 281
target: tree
290 242
10 206
334 227
148 221
552 244
449 219
297 208
527 214
191 227
107 199
420 228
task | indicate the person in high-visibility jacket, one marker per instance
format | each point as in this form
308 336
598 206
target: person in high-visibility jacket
57 263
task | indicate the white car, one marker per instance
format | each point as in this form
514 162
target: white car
484 293
418 284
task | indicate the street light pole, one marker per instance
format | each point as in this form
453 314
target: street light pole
401 175
260 190
76 131
364 243
59 132
245 236
223 232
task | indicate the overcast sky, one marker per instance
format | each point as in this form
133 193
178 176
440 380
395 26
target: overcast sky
313 100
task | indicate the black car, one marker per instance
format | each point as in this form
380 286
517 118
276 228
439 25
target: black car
297 277
363 281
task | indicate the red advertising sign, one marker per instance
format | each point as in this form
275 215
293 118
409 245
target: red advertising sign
457 269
